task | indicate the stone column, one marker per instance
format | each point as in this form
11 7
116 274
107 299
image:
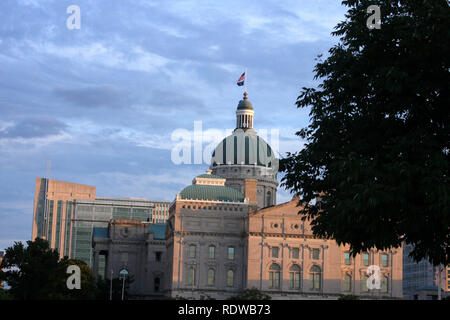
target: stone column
95 264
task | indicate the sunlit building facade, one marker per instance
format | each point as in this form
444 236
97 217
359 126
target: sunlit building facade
225 233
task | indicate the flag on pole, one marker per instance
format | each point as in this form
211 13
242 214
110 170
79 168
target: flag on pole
241 80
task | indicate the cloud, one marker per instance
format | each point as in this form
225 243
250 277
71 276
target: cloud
101 102
32 128
133 58
93 96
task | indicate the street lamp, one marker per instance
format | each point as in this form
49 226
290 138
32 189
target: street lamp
110 285
123 274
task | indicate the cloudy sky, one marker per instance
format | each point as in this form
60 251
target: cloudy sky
102 102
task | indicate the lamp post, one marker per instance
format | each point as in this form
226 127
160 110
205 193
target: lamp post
110 285
123 274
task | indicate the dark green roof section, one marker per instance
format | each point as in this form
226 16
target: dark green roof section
210 176
245 104
100 232
158 229
213 193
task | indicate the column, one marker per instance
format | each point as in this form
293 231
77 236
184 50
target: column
95 264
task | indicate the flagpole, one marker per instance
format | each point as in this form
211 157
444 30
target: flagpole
246 79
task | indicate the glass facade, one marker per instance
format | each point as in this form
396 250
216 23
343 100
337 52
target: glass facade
417 275
97 213
58 225
50 222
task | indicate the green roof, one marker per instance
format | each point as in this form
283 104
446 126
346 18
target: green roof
214 193
158 230
245 104
100 232
210 176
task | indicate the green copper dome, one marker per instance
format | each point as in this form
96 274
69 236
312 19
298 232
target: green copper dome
214 193
245 105
243 148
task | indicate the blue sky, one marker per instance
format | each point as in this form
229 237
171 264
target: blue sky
102 102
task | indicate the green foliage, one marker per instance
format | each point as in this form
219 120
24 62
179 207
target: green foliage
251 294
36 273
377 148
5 295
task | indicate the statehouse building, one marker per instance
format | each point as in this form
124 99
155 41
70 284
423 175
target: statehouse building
225 233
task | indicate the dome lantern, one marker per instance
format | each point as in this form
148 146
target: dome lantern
244 114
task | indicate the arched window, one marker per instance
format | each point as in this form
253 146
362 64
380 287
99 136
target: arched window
314 277
230 278
192 249
191 276
211 277
274 276
347 283
294 277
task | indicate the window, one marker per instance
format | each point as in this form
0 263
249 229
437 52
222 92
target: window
314 278
212 252
384 260
230 278
364 283
295 252
158 256
269 198
348 283
191 276
274 276
230 253
315 254
294 277
384 284
365 259
347 258
156 284
275 252
211 277
192 250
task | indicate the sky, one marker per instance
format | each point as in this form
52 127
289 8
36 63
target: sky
102 102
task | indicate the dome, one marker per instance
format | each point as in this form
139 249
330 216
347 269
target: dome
245 105
211 193
243 148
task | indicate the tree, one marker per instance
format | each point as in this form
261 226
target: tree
36 273
5 295
251 294
377 147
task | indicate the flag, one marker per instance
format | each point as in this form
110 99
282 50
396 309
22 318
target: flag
241 80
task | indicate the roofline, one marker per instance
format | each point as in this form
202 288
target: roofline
262 210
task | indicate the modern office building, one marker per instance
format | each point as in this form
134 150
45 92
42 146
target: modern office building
225 233
53 211
97 213
420 279
65 213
